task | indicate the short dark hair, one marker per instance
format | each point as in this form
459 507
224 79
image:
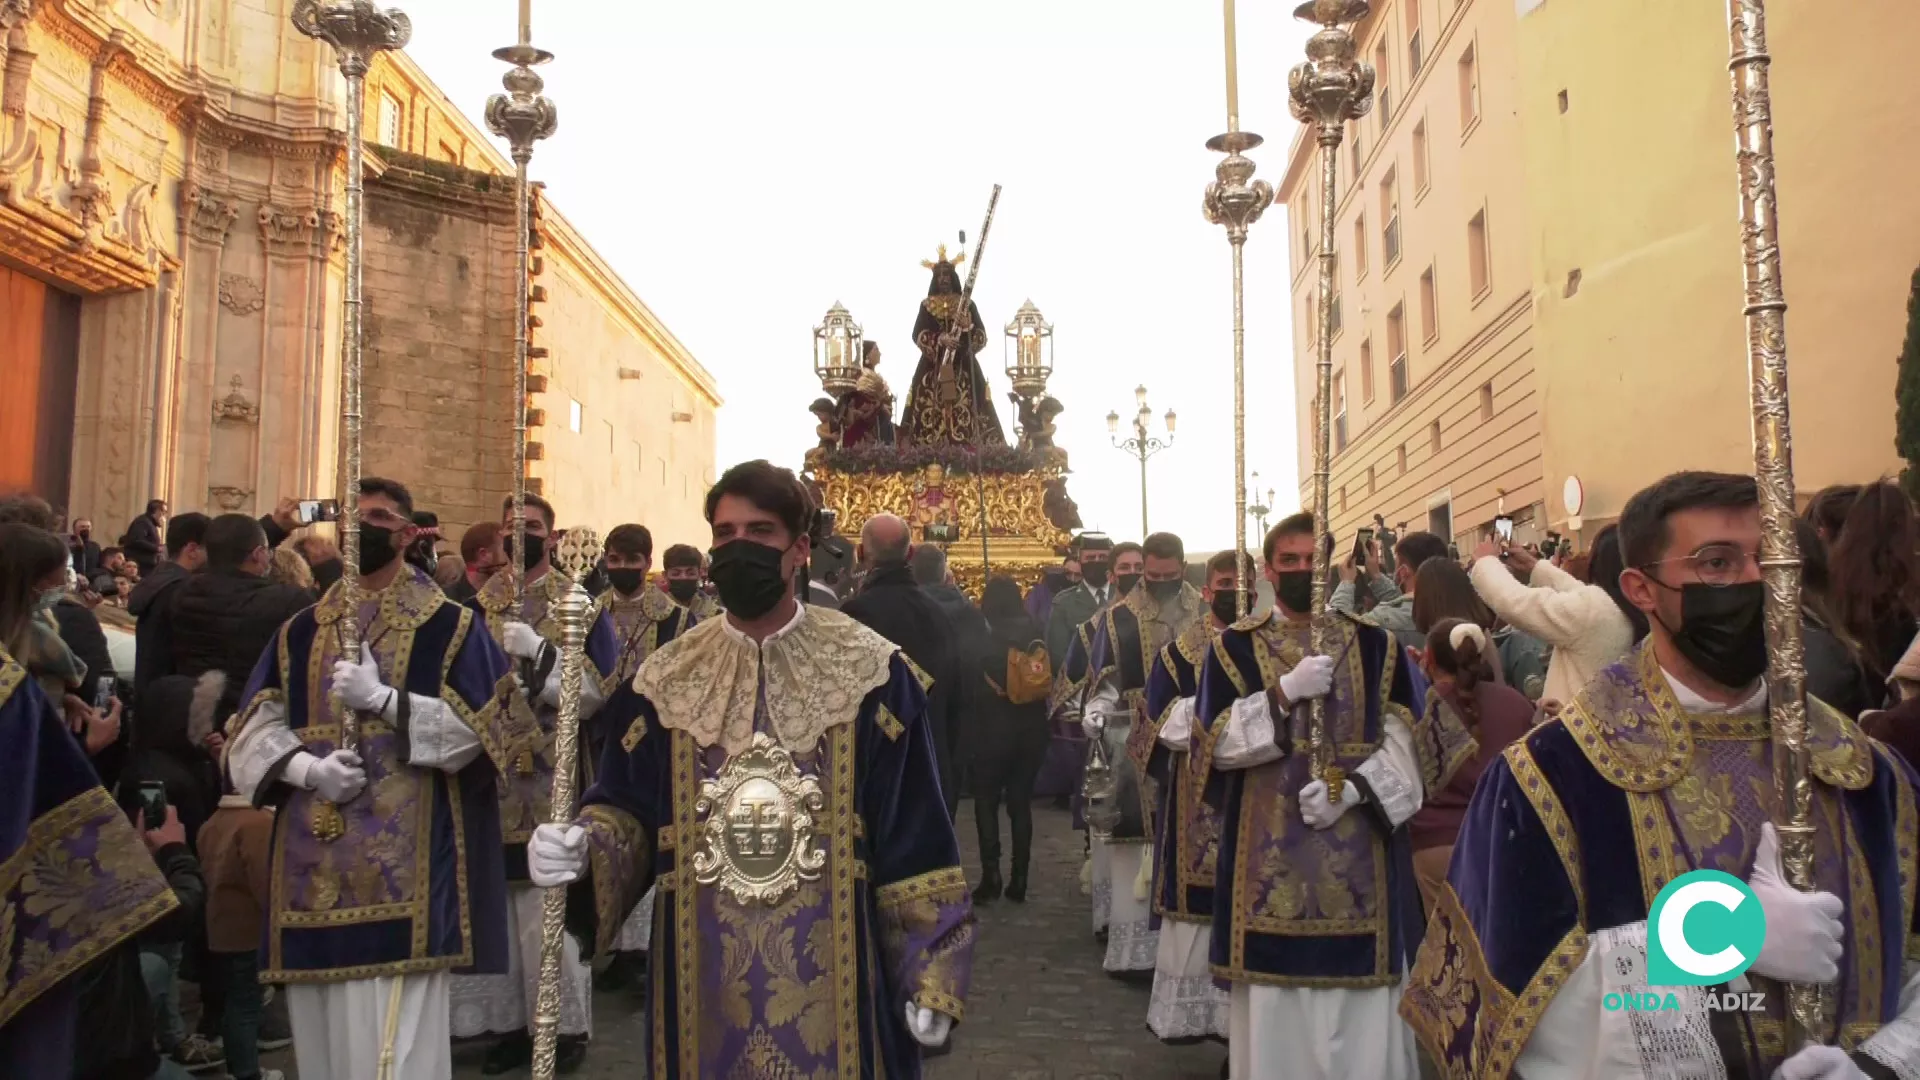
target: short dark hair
230 538
109 552
1126 547
479 536
631 541
27 510
426 519
184 529
1644 534
1300 524
1415 548
1164 545
769 487
1222 563
680 556
392 489
1090 542
156 504
531 501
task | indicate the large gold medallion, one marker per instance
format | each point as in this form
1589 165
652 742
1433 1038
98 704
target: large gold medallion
758 845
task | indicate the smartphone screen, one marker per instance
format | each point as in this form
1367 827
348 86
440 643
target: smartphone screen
153 803
1503 528
1360 542
312 510
103 694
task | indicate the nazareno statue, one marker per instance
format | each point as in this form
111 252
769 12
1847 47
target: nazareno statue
947 404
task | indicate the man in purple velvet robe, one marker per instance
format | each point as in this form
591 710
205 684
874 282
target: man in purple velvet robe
527 627
777 784
388 869
644 619
75 879
1315 911
1663 765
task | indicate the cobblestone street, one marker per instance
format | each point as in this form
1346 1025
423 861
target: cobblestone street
1041 1008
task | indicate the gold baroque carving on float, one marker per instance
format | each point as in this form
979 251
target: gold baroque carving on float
1016 502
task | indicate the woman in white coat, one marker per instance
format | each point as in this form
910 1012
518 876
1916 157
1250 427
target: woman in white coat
1588 626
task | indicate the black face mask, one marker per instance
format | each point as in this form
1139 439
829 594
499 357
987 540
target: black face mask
1124 583
376 549
683 590
1295 590
1223 606
627 579
748 576
1094 574
1723 631
1163 591
325 574
536 550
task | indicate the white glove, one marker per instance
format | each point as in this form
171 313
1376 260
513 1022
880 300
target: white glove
1312 677
1177 733
523 641
1803 941
927 1027
1093 724
338 777
359 684
1818 1062
1320 813
556 854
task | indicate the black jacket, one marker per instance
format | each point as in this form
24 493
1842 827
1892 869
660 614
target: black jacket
86 557
222 620
891 604
150 604
80 630
142 543
116 1017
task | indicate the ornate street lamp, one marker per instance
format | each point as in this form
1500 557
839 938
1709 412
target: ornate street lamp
1029 351
1260 507
837 350
1143 445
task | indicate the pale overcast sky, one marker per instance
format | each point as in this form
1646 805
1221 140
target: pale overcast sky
744 164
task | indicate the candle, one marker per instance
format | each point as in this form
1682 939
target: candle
1030 351
1233 73
526 22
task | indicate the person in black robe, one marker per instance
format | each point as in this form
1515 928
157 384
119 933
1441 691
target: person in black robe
948 404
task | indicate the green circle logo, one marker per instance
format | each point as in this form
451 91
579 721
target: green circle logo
1705 928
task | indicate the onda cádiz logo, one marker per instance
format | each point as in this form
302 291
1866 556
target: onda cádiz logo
1706 928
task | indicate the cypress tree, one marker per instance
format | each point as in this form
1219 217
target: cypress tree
1906 417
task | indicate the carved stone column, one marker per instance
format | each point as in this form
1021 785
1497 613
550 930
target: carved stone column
208 217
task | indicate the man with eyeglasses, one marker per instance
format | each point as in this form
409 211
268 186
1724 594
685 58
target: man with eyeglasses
1661 766
387 870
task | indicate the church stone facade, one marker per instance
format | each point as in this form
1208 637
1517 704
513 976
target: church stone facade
171 267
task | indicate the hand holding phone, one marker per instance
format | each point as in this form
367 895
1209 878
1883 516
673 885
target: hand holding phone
317 510
1503 528
1361 542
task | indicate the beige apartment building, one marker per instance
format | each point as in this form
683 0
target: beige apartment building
1436 397
171 265
1539 256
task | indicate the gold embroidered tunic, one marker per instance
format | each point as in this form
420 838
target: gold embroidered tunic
782 798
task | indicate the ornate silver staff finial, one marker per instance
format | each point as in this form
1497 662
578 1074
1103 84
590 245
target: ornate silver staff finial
1236 200
575 558
1331 88
357 30
522 116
